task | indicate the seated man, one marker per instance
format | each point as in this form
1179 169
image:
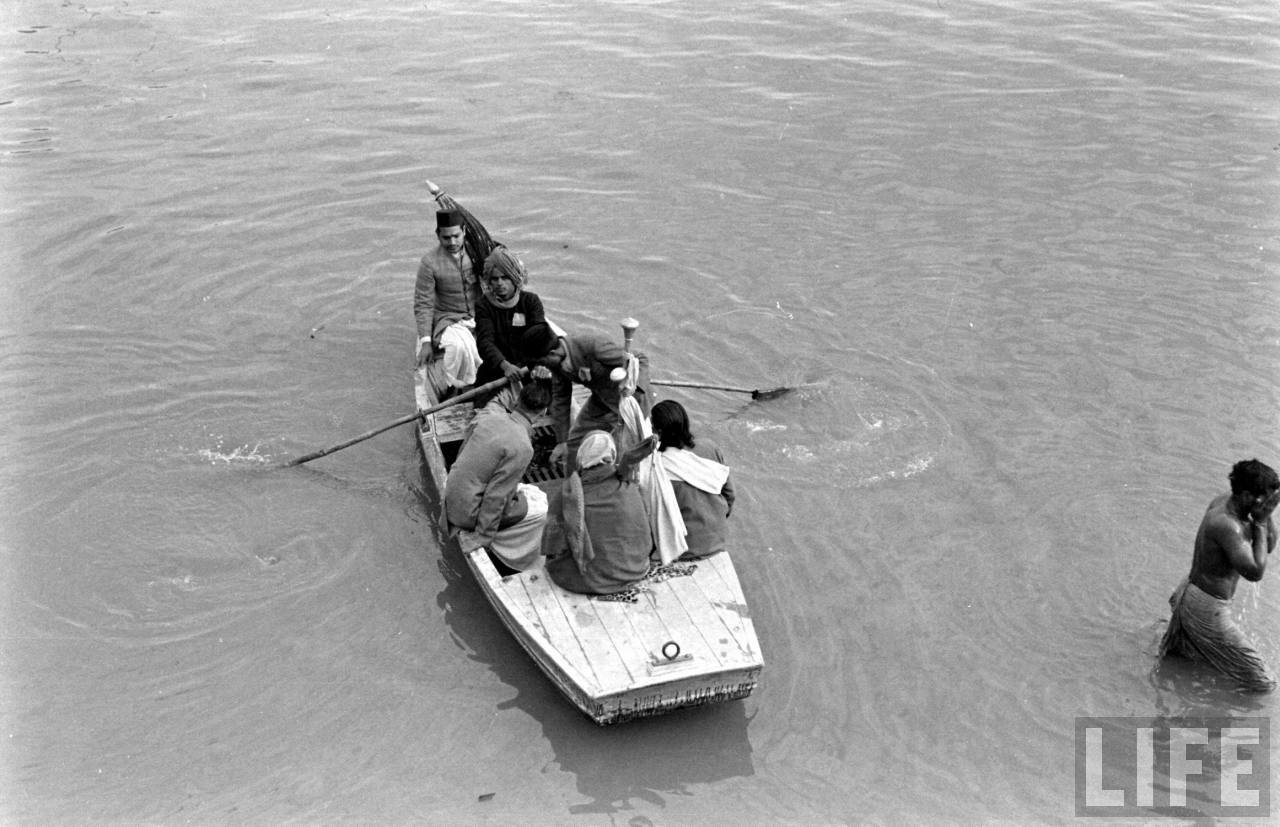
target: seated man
598 539
699 479
1235 539
486 505
444 300
596 361
503 313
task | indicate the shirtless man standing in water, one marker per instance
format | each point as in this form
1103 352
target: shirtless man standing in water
1235 538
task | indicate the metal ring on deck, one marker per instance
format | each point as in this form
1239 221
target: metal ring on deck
671 644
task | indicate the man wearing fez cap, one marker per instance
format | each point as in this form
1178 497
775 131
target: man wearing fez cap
444 301
588 359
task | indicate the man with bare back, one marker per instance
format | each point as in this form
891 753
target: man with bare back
1235 539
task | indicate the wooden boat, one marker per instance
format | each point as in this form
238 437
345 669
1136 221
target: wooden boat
687 640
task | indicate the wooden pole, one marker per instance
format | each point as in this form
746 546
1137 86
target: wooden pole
448 403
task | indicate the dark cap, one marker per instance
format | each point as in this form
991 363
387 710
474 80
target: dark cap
538 341
448 218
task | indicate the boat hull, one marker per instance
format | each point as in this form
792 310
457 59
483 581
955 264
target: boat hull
682 637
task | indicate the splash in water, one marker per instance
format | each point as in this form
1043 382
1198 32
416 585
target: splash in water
856 434
242 453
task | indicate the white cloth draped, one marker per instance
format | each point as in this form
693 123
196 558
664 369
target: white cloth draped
685 466
659 497
520 545
461 358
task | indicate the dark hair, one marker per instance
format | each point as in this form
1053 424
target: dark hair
1253 477
671 424
536 395
537 341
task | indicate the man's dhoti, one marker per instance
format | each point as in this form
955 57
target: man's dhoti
1202 628
455 367
461 359
520 545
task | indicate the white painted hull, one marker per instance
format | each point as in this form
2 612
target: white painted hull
687 640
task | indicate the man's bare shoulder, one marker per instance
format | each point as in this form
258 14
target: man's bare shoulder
1220 524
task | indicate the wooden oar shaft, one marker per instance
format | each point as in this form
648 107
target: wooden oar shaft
672 383
450 402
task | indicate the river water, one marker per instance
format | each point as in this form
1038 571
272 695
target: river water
1019 260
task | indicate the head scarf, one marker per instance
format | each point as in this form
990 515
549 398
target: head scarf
502 262
596 448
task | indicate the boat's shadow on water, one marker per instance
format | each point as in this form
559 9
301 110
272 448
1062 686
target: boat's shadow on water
646 759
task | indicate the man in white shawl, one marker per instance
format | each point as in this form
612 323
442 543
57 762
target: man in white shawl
698 477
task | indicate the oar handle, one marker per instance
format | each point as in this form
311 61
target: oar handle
448 403
672 383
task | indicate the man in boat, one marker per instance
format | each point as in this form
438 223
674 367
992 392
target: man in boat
444 301
598 540
605 368
699 480
1235 538
486 505
504 311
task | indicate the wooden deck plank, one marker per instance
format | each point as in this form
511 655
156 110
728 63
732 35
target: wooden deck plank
726 584
611 618
667 622
566 671
684 624
548 613
649 627
609 662
719 624
693 595
733 609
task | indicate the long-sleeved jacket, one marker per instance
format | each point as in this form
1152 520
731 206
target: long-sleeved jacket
705 514
498 332
445 292
483 479
618 527
592 357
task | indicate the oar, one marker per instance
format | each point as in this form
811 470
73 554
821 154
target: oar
756 393
448 403
629 326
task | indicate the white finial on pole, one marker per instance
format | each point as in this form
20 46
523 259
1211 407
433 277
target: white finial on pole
629 326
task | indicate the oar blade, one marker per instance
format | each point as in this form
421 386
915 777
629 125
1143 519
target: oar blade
771 393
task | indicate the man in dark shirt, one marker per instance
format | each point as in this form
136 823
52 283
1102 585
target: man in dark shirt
597 362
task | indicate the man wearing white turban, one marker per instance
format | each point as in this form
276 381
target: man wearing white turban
598 539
